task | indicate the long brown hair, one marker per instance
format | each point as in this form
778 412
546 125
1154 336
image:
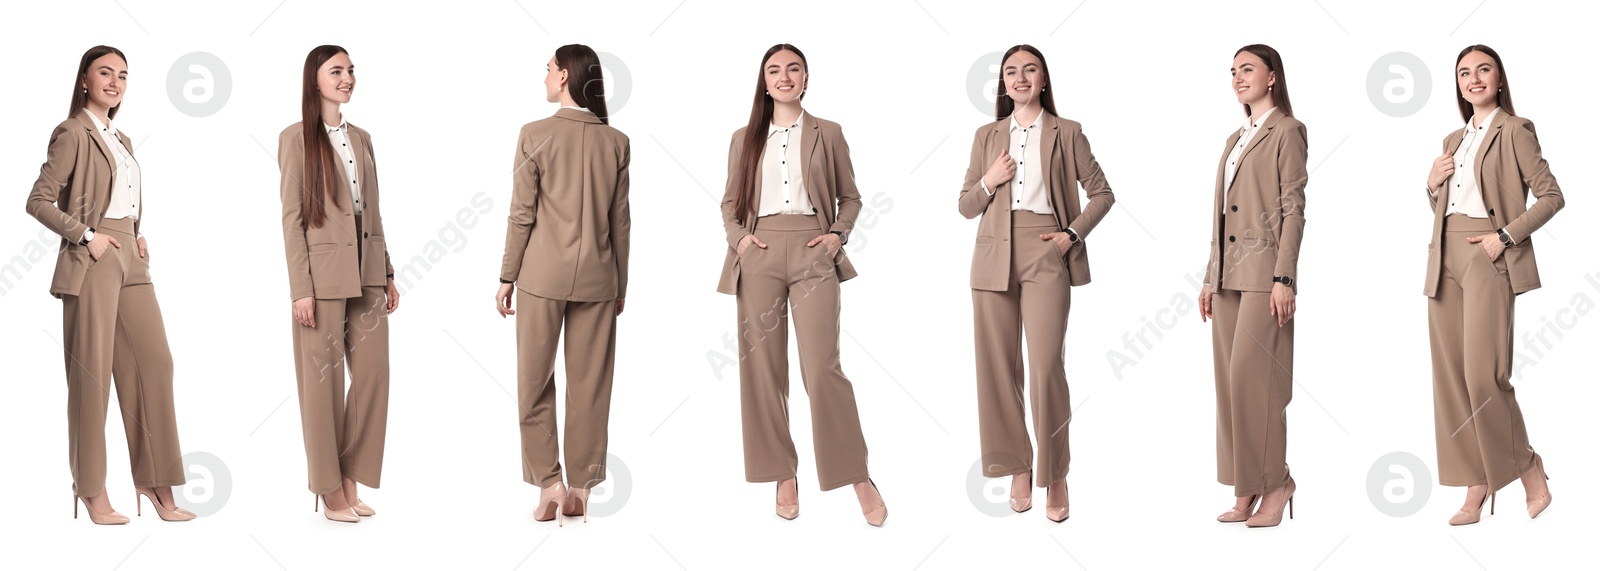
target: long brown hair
1503 96
755 134
1003 105
1280 88
584 82
80 96
321 176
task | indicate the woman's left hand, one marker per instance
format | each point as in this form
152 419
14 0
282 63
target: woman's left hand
1062 240
1491 245
144 251
830 239
1282 303
393 294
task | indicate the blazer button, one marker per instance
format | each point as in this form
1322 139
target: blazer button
1491 212
1230 238
1235 208
813 209
365 235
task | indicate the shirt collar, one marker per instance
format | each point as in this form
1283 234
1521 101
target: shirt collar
798 121
1248 125
1469 128
1036 120
583 109
103 127
343 126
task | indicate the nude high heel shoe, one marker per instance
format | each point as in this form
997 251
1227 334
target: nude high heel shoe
1020 505
112 518
362 509
1537 506
550 500
1234 515
1269 520
346 515
175 514
1056 514
875 516
576 504
1464 517
789 511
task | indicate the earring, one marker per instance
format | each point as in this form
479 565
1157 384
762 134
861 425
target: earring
1269 88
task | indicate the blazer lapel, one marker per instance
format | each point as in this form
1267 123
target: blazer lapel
1222 166
1490 135
1261 135
99 142
812 134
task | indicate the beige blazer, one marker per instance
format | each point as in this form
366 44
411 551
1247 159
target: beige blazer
567 235
1508 164
71 195
1067 163
323 261
1260 236
830 183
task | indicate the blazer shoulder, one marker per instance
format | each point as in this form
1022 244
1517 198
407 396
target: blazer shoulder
1519 122
1067 125
359 131
1291 123
291 135
986 127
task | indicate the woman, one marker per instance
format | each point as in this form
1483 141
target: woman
1481 258
341 284
1257 220
566 257
89 191
1023 179
790 203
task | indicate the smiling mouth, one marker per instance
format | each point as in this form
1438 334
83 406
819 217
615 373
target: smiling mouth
1478 89
112 92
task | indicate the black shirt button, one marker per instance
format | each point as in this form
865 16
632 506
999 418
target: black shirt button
1230 238
1235 208
365 235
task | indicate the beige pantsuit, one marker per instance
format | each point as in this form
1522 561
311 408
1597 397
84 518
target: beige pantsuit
1035 302
1478 427
1258 221
1022 289
344 265
567 242
789 279
1477 423
112 330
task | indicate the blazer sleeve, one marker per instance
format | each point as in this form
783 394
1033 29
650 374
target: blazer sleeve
1094 183
1536 174
524 203
974 200
388 264
849 197
1433 192
621 223
734 230
1292 178
53 177
291 169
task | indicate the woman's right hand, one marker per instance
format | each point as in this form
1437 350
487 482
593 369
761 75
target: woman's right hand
1000 171
305 311
502 300
1443 167
749 239
97 246
1205 303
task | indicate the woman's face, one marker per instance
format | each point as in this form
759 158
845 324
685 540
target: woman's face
1478 79
106 80
555 79
336 79
1251 78
1023 76
785 75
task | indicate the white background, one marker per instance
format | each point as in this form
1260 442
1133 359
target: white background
444 87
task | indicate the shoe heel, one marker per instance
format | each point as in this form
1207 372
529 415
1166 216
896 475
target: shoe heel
138 507
1291 507
1491 504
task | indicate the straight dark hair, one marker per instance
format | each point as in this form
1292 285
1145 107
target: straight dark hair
1503 96
319 178
755 134
1003 105
80 96
584 82
1280 88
